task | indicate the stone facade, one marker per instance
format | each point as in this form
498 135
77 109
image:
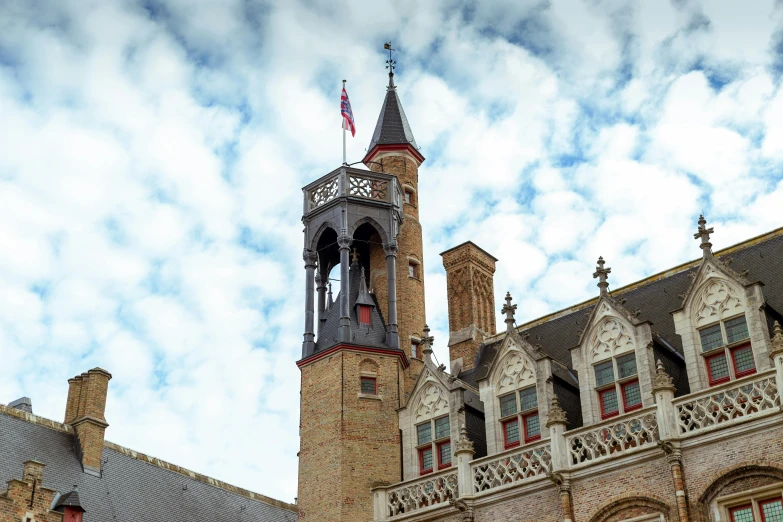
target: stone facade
471 301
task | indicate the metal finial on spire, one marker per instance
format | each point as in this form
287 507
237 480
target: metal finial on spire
704 234
354 257
509 309
601 273
390 63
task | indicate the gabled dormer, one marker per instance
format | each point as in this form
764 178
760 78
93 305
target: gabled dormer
722 322
614 358
433 415
517 391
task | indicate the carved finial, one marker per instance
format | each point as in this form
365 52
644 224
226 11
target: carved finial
426 343
601 273
509 310
329 293
355 257
464 443
556 414
777 340
704 234
662 380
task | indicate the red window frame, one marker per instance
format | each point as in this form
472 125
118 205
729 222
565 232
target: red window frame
364 314
362 380
627 408
506 443
437 446
524 427
738 374
604 414
768 501
715 382
423 471
737 508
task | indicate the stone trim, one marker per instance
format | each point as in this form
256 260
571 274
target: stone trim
631 499
35 419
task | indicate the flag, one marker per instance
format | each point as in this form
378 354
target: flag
345 110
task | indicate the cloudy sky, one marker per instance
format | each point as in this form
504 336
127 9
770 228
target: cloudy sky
152 155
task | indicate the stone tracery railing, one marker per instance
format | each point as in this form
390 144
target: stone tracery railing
732 402
511 467
618 435
323 193
366 187
423 492
353 183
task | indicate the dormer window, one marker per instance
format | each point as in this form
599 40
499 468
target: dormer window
434 449
724 341
519 417
621 394
364 315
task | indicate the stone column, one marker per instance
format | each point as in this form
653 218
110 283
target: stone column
392 337
776 354
674 458
563 483
344 331
463 452
663 389
557 422
320 289
309 332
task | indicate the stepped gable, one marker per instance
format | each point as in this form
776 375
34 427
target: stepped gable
655 297
373 336
130 488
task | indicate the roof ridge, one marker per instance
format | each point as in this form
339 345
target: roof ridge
66 428
654 277
199 476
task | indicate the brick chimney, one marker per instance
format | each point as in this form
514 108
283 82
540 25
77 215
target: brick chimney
471 299
85 410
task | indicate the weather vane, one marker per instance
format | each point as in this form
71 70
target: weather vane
390 63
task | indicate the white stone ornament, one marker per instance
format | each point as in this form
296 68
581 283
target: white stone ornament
432 402
516 372
717 300
610 338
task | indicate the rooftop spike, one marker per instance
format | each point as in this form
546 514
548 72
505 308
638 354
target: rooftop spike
509 310
601 273
704 234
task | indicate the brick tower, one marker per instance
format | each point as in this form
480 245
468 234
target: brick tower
393 150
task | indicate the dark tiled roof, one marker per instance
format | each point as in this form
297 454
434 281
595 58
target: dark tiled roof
373 336
70 499
129 490
392 127
655 297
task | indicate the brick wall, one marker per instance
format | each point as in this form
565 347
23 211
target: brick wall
15 501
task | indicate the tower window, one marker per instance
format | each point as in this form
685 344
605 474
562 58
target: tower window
364 314
428 447
413 270
408 197
369 386
414 348
621 394
723 342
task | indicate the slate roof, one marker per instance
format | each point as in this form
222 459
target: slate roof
129 490
392 127
656 297
373 336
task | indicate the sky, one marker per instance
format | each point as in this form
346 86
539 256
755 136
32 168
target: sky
152 156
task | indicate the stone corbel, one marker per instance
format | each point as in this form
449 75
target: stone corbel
467 510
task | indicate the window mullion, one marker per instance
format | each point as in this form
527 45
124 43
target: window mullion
617 388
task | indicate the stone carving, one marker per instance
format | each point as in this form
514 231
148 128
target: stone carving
522 464
323 193
515 372
610 338
661 380
610 439
716 301
556 414
367 188
730 404
423 493
432 401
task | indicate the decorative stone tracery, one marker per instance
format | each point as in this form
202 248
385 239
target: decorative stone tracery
432 402
610 338
516 371
716 300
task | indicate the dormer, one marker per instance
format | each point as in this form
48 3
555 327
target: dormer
431 419
614 359
721 322
516 392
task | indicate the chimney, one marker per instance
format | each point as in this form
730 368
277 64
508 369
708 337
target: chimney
471 299
23 404
33 472
84 411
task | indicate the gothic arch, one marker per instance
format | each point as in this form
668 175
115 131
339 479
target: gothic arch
429 400
326 225
738 472
631 500
609 336
368 365
377 226
716 297
514 370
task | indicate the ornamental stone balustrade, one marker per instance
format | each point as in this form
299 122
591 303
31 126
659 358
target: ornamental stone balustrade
604 445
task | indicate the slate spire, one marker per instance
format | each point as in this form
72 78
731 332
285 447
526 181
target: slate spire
392 128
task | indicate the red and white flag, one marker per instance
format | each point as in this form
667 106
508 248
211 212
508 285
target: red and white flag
345 110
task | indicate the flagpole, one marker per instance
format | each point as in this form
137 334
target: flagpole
345 161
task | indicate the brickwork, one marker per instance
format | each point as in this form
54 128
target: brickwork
28 499
84 410
349 442
471 300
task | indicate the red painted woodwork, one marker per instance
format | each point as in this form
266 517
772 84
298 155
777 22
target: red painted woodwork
422 469
626 406
512 444
441 465
607 414
737 373
72 515
364 314
712 380
530 438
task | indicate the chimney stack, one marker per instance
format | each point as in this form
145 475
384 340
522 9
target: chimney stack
471 299
84 411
